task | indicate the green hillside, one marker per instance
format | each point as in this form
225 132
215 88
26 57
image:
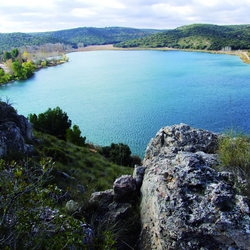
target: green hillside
197 36
79 36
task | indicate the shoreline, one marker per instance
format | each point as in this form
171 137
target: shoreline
245 57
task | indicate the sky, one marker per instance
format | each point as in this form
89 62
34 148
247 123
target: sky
51 15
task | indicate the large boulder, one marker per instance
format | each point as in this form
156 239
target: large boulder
186 204
15 132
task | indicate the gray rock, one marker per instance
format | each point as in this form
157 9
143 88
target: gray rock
15 132
138 175
124 188
186 204
71 206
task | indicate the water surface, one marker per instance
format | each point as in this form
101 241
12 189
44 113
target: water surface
127 96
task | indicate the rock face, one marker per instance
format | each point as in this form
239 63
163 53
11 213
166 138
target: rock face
15 130
186 204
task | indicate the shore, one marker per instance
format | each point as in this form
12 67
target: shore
242 54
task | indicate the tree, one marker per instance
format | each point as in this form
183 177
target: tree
4 77
28 69
74 135
53 121
17 70
14 53
6 56
118 153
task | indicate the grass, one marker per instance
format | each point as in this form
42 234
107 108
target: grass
234 155
76 166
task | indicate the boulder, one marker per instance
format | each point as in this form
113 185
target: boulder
124 188
186 204
15 132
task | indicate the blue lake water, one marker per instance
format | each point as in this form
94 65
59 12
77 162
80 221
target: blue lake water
127 96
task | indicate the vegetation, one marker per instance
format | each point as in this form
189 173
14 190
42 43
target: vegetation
53 121
234 154
197 36
120 154
20 66
34 191
72 38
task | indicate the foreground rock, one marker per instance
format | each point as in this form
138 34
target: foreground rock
15 131
186 204
116 210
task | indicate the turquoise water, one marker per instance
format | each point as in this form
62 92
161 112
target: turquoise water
127 96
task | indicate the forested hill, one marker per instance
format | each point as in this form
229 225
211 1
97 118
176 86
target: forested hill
197 36
73 37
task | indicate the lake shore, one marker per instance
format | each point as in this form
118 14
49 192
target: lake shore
241 53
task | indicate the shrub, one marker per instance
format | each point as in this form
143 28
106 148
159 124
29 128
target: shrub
234 154
53 121
74 136
29 217
120 154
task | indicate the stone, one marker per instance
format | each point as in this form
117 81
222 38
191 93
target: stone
15 132
124 188
71 206
187 204
138 175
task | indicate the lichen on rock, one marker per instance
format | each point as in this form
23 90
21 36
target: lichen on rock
186 204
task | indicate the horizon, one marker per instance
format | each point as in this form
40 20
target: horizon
115 26
28 16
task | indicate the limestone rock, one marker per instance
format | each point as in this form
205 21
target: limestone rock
138 175
15 131
186 204
124 188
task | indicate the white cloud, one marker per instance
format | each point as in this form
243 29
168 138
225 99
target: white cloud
42 15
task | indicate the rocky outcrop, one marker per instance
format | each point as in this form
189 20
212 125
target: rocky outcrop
186 204
116 210
15 131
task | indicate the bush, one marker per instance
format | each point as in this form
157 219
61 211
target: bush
234 154
74 136
120 154
29 216
53 121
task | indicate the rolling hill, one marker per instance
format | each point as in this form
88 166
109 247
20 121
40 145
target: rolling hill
196 36
73 37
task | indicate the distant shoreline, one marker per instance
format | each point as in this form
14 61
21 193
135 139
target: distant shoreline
241 53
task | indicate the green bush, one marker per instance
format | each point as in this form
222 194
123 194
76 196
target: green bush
53 121
234 152
74 136
234 155
29 216
120 154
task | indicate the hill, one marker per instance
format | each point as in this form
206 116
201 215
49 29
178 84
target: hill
197 36
73 37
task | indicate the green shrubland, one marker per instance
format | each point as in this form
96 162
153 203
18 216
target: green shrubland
234 155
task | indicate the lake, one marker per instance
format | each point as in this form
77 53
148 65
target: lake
127 96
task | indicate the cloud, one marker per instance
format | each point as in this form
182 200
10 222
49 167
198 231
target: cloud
44 15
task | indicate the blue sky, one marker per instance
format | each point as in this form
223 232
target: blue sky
49 15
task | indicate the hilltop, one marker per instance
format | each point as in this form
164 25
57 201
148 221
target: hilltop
73 38
198 37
